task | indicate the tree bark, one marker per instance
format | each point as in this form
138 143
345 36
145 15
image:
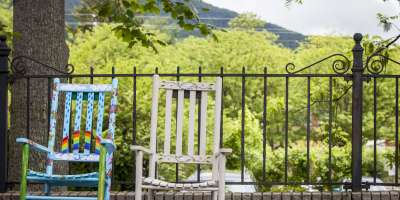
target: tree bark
40 34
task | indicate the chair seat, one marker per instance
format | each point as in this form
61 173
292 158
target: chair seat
153 183
83 180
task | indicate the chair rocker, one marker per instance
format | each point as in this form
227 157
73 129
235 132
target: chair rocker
102 151
218 158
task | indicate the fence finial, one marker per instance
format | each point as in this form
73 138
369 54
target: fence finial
357 38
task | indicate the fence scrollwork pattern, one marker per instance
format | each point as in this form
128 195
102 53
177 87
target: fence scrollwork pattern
19 66
340 66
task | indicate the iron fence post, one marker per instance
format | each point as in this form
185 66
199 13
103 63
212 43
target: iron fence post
356 153
4 52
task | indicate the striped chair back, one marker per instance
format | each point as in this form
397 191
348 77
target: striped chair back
81 140
195 95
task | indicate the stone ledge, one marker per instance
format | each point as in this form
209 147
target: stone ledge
129 195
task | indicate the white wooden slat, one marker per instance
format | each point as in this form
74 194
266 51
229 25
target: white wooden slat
179 122
203 123
206 159
217 113
153 126
175 85
168 103
192 107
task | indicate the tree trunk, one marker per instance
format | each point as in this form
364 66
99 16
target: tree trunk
40 35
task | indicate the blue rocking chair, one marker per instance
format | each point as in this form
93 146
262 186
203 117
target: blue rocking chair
102 152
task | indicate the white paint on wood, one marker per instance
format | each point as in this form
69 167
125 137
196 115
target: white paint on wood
153 126
175 85
203 123
179 123
217 114
192 109
207 159
221 176
138 173
168 103
217 159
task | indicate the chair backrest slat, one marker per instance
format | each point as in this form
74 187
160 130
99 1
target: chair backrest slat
168 102
67 118
173 85
203 124
84 87
77 124
89 121
153 126
99 125
179 123
192 109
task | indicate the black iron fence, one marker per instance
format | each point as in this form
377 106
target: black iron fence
261 90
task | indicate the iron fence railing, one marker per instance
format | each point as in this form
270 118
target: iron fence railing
342 72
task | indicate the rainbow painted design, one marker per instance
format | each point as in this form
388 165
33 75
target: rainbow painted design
64 145
97 151
88 135
75 138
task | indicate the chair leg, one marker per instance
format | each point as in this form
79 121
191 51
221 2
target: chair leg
214 195
47 189
102 174
221 178
138 175
108 171
108 188
24 171
149 194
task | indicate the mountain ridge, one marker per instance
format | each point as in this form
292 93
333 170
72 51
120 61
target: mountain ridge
219 17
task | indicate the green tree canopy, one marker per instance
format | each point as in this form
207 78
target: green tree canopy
246 21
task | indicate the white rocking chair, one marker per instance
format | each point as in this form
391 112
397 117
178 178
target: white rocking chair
217 159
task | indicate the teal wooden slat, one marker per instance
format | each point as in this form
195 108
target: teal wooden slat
84 87
85 96
67 115
89 120
77 124
99 125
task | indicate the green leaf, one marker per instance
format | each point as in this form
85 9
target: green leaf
105 9
126 3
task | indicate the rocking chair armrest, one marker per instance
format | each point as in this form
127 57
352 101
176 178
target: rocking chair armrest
223 151
109 145
34 145
141 148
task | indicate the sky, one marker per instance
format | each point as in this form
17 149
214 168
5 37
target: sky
320 17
